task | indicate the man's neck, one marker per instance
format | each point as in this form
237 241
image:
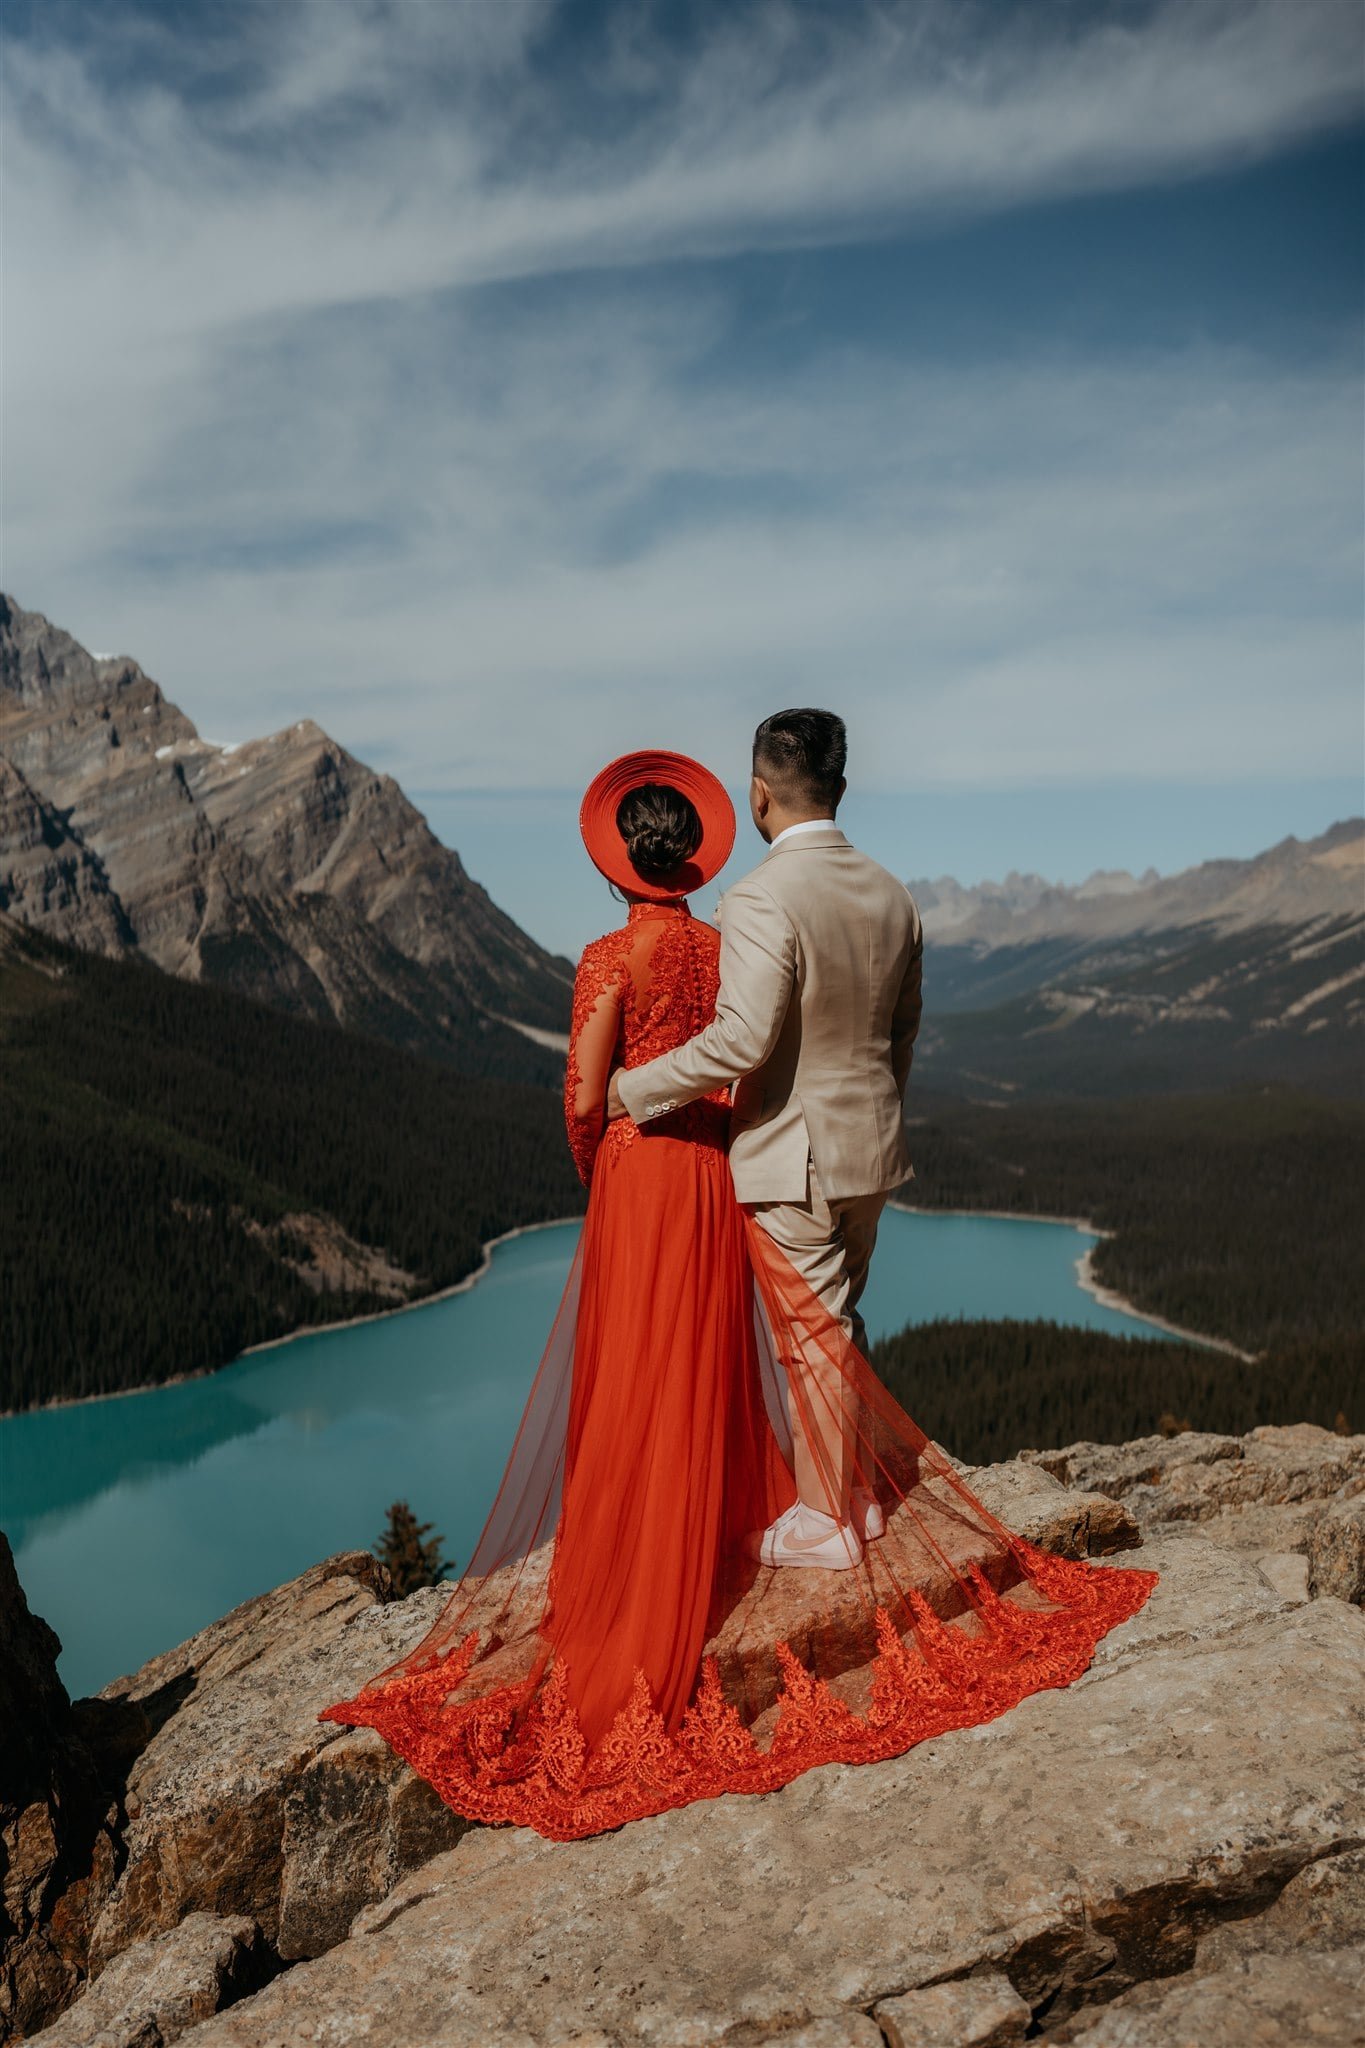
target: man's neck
818 822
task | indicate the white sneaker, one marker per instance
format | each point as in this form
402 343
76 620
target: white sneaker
866 1515
806 1536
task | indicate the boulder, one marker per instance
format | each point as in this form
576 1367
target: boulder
1336 1551
240 1801
974 2012
1069 1521
1093 1840
1195 1476
159 1988
1268 1493
1265 2000
58 1833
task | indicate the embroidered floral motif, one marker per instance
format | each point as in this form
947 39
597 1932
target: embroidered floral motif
662 968
545 1780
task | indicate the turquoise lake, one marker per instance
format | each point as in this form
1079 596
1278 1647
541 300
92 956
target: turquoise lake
137 1519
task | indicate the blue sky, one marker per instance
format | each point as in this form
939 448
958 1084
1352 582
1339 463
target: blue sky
506 385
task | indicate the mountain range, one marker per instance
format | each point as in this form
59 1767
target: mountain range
1232 970
282 868
286 870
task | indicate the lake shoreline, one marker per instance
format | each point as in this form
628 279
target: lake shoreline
400 1308
1107 1297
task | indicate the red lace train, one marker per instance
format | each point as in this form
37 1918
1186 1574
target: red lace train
613 1649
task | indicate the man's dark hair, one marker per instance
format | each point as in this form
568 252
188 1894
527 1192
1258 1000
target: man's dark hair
802 754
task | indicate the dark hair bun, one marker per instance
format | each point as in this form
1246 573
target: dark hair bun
661 829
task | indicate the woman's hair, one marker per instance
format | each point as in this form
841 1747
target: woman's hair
660 827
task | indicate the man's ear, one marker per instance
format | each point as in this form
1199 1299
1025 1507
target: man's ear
760 797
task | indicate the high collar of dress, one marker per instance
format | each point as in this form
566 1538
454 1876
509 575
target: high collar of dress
675 907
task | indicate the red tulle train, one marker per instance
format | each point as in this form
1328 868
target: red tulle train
613 1648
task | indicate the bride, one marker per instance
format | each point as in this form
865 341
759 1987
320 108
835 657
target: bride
638 1626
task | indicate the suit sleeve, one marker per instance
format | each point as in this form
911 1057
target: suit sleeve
905 1020
757 976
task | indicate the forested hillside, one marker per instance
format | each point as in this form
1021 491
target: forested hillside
186 1172
1239 1214
988 1389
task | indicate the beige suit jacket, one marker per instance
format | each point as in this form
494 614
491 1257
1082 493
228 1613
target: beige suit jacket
819 1006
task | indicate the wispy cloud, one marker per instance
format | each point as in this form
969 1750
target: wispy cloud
332 150
359 365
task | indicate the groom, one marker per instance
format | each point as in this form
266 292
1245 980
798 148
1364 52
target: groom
815 1026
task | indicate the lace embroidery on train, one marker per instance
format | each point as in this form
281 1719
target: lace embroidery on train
498 1759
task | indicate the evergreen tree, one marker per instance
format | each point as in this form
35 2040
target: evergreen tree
412 1562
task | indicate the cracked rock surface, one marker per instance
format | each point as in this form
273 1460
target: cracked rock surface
161 1987
1169 1851
1276 1492
1081 1846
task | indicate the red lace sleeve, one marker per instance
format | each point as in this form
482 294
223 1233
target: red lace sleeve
593 1040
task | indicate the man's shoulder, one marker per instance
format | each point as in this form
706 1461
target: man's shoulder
786 881
754 889
898 891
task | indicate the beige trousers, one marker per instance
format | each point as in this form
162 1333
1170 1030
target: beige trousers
831 1247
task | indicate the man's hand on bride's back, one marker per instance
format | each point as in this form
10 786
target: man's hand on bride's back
615 1107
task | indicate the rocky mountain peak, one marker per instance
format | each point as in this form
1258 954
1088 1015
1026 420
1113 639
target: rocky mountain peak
281 866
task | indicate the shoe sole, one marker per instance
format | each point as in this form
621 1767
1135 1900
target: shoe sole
804 1561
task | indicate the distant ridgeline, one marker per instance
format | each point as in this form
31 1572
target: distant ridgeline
187 1172
1232 971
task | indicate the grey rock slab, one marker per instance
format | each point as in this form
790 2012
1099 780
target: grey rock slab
1065 1520
1319 1913
1285 1572
354 1819
1197 1475
240 1800
159 1988
1266 2001
833 2030
974 2012
1322 1907
1081 1842
1203 1592
1336 1551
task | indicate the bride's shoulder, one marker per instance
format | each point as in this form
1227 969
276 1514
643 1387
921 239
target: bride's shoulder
600 955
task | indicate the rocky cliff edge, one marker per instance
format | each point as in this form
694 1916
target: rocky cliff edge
1170 1851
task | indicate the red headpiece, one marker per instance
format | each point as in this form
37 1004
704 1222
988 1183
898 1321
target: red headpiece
597 821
